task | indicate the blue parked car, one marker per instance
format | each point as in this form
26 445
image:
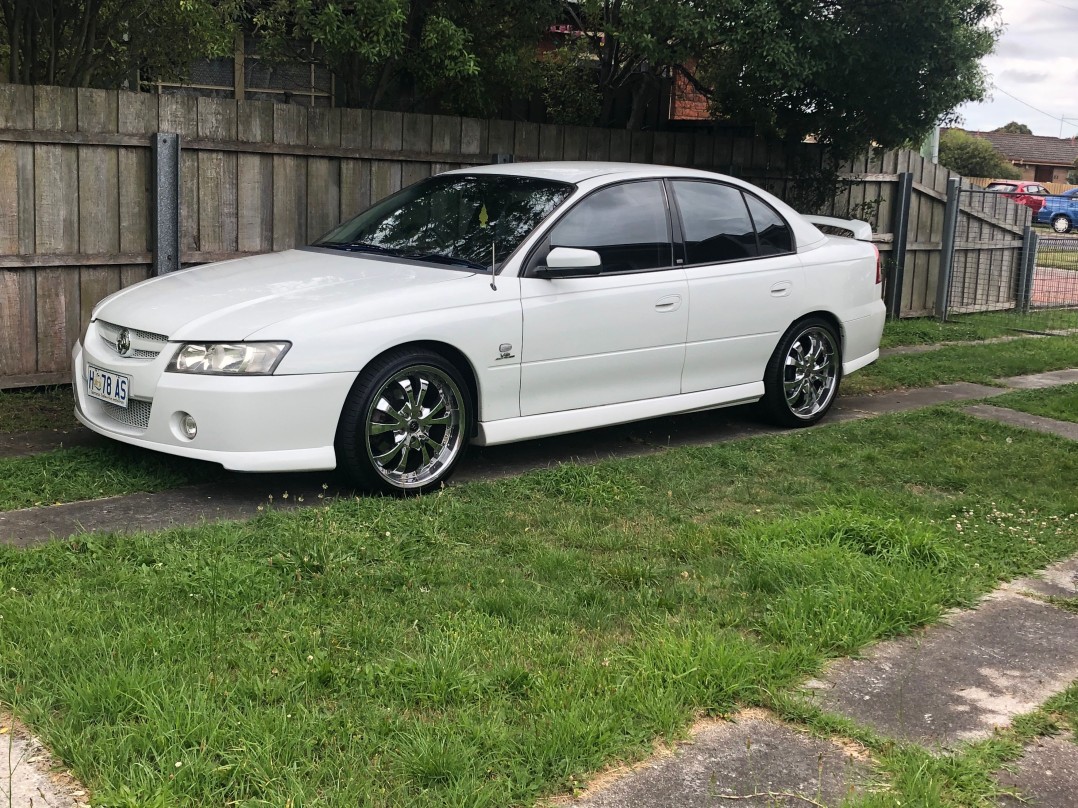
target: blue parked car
1060 211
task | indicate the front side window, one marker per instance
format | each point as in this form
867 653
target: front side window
626 224
453 219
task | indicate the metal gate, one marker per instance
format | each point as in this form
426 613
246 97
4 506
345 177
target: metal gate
1019 278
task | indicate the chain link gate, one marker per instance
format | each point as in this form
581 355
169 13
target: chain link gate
994 265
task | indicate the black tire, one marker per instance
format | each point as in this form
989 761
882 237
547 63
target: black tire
1062 223
405 423
802 377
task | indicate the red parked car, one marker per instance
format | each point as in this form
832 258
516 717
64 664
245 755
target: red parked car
1030 194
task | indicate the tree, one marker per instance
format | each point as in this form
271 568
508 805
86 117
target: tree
437 55
83 43
1014 128
849 72
1072 175
973 156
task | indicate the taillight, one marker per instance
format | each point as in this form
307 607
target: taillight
879 268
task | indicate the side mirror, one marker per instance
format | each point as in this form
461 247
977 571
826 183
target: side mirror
568 262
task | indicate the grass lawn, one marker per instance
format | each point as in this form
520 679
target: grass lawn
1060 403
502 641
71 475
968 363
971 327
36 408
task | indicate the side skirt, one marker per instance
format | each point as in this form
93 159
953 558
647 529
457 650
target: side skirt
508 430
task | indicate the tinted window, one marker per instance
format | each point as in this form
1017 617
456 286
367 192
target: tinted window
774 233
625 224
715 221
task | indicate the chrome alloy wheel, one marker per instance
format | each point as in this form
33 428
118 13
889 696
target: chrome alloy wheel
414 427
1061 224
810 372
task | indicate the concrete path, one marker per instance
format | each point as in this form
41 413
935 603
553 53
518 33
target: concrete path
753 760
960 680
28 778
1038 423
1045 777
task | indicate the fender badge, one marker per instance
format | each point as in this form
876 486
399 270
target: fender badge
506 351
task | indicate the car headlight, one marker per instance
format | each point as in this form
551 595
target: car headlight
229 358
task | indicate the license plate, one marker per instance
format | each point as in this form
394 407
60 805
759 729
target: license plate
107 386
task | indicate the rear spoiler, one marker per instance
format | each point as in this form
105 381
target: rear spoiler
862 231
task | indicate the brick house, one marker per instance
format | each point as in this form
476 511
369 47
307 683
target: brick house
1039 158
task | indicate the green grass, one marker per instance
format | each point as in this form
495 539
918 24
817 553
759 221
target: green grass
501 641
71 475
972 327
969 363
1060 403
37 408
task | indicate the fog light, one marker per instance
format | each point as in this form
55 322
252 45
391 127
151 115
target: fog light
188 426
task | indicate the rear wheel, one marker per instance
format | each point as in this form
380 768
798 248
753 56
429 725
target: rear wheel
802 377
1061 223
405 423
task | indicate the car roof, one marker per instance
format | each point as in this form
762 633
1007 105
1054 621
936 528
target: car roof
576 171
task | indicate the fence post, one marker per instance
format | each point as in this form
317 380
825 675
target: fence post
900 230
166 203
950 230
1027 269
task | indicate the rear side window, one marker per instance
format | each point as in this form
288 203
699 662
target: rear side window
774 233
626 224
721 223
715 221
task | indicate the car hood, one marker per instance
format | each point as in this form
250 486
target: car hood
233 299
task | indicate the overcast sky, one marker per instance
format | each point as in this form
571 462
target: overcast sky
1035 60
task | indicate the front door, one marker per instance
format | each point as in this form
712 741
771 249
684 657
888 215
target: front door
614 337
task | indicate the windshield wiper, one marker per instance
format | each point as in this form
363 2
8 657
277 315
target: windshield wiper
357 246
438 258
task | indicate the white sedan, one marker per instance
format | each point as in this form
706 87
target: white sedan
487 305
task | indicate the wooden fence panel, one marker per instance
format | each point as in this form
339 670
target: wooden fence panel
76 185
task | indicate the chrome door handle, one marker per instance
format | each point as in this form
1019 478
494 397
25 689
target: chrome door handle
669 303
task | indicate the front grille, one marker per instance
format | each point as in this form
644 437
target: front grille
136 414
145 344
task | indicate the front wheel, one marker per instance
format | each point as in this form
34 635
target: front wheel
802 376
1061 224
405 423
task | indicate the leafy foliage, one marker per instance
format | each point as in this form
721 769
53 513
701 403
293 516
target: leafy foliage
1072 175
445 55
973 156
82 43
1014 128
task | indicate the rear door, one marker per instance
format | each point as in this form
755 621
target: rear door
744 282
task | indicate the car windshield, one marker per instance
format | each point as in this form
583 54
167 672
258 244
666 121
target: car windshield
1001 186
456 219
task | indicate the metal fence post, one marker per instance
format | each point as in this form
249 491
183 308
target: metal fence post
900 230
166 203
950 231
1027 269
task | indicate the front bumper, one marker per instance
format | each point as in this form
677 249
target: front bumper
255 423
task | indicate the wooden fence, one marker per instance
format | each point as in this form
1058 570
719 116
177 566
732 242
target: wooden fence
76 191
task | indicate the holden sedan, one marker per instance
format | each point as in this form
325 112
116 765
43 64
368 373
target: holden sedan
485 306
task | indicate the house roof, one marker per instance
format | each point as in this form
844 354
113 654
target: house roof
1033 149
